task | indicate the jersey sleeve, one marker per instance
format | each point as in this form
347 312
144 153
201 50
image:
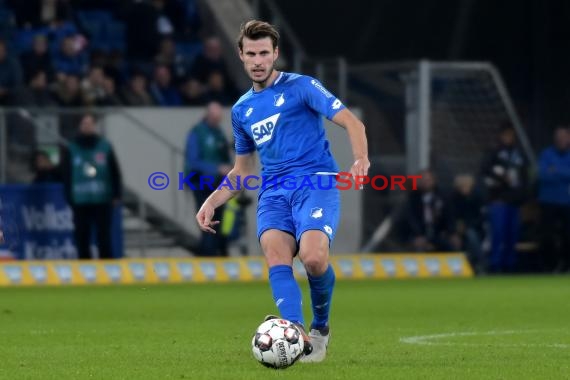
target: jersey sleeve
243 143
319 99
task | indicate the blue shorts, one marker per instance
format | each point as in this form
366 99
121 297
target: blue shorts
305 207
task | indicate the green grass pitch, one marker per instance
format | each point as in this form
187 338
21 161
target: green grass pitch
483 328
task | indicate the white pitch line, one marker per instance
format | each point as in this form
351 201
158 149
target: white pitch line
431 340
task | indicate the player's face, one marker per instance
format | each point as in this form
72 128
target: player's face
258 57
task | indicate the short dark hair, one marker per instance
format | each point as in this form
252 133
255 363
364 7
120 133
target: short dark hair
256 30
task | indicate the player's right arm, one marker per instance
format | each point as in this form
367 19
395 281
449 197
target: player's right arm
244 166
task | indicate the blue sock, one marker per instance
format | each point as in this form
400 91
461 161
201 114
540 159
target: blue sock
286 293
321 295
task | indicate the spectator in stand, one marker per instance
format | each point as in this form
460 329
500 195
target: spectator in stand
466 212
146 24
115 68
176 13
427 216
162 90
111 99
176 62
70 60
36 94
68 94
192 93
505 174
554 198
68 91
92 88
45 171
211 60
10 74
135 93
185 16
97 89
38 13
37 59
216 90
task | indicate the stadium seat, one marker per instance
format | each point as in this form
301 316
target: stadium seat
24 39
95 16
115 33
189 49
94 29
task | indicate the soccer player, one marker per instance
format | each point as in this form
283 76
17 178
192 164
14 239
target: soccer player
280 117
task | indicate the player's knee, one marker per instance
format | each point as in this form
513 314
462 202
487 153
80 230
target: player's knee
314 252
275 256
278 248
315 260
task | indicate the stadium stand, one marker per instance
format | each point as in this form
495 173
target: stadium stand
124 38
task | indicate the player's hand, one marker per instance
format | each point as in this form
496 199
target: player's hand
360 168
204 218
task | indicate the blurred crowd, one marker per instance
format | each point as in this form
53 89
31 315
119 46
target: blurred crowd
501 212
74 53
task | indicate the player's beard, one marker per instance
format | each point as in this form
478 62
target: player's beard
264 80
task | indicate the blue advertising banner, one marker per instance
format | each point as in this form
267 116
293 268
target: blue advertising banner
37 224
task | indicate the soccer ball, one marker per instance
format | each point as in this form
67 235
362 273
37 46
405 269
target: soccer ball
277 343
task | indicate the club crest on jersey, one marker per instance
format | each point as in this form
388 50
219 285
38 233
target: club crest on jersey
279 100
316 212
262 131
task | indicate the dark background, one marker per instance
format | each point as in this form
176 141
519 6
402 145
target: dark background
528 41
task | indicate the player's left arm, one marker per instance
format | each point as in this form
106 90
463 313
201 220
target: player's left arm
357 135
322 101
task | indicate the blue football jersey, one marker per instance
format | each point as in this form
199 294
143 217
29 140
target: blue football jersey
283 122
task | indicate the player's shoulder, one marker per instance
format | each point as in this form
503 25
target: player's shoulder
294 79
242 99
303 82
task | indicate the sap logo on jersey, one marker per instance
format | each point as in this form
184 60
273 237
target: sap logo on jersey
263 130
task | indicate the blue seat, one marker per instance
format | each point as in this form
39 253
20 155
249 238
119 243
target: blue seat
100 16
94 29
24 39
189 49
115 35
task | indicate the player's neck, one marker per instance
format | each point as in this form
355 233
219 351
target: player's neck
263 85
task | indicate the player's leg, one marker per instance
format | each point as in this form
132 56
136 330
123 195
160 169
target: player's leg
314 253
316 216
279 248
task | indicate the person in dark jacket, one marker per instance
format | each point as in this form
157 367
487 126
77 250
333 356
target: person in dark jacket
427 216
467 220
505 174
93 186
554 199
